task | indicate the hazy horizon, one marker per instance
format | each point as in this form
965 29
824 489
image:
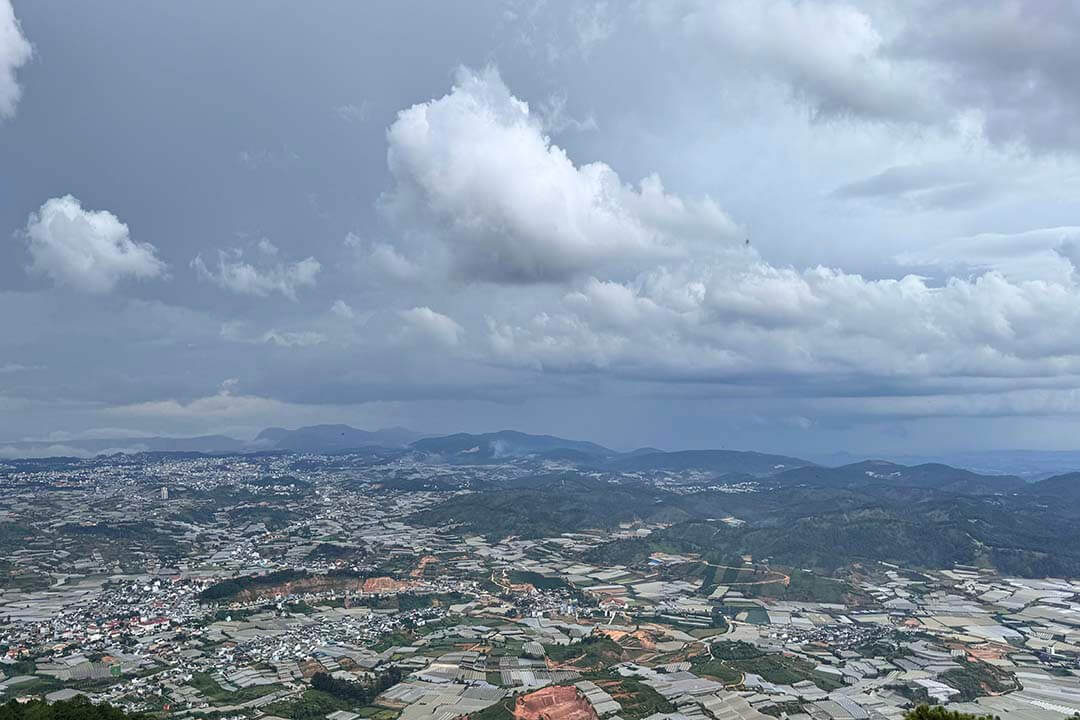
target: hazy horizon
1018 461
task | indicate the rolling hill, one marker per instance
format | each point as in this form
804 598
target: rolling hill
719 462
507 445
933 476
332 438
1062 487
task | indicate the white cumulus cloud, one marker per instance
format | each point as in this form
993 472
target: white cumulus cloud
433 325
511 206
342 309
382 259
15 51
90 250
821 329
233 273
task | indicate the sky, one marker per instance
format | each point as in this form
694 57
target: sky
778 225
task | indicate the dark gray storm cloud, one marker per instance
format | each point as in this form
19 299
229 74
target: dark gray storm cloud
1011 62
790 225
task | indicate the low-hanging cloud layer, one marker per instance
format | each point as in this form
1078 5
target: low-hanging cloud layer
792 224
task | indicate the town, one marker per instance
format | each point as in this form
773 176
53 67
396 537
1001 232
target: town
304 586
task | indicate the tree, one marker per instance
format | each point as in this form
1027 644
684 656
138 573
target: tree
925 712
354 692
77 709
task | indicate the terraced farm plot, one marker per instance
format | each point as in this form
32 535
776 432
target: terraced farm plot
592 652
638 700
730 660
746 575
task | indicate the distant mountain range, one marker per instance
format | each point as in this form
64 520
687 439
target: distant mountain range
993 472
1031 465
506 444
724 461
931 476
85 447
333 438
313 438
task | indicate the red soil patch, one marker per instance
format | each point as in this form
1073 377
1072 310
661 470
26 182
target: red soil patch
424 562
554 703
384 585
644 638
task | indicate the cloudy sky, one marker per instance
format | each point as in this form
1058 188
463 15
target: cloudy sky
764 224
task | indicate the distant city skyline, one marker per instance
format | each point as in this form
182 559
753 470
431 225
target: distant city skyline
795 227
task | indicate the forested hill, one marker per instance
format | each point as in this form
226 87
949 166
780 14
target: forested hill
77 709
825 520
